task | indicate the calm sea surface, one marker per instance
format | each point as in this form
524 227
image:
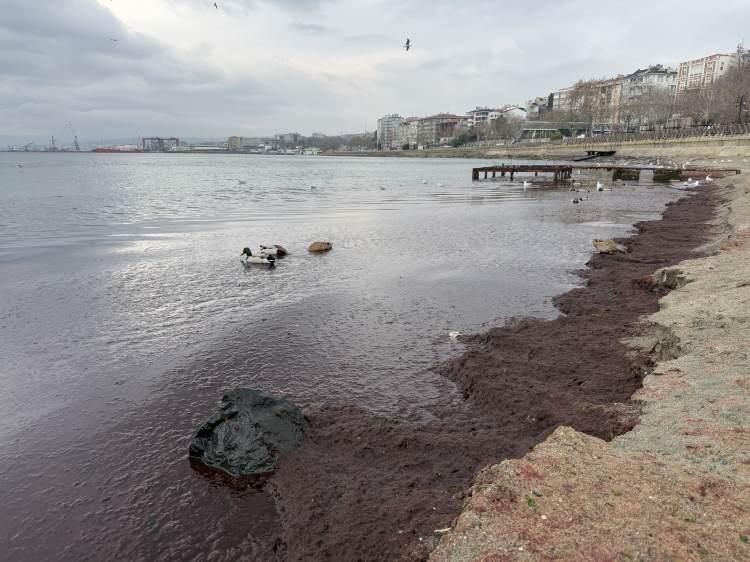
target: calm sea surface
124 313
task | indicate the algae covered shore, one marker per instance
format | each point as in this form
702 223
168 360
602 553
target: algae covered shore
366 487
676 487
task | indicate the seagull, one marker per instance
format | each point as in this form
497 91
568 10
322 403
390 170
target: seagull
454 334
407 46
574 201
526 185
113 40
599 186
216 5
709 179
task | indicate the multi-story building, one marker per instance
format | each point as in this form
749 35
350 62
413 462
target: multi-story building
647 80
386 129
291 139
481 115
561 100
609 102
242 143
436 129
406 133
598 101
536 108
647 96
701 73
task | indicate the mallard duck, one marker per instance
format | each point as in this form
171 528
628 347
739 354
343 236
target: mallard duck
273 250
247 258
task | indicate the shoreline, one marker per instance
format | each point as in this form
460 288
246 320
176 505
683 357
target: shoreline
676 487
367 487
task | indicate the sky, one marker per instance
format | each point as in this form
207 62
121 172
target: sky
128 68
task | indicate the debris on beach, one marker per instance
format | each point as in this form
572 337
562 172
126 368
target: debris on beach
454 335
608 246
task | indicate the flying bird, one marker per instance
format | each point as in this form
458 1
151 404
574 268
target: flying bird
216 5
114 40
407 46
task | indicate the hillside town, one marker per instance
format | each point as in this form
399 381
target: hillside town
700 92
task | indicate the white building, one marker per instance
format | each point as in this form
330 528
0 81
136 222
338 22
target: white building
386 130
481 115
701 73
536 108
647 80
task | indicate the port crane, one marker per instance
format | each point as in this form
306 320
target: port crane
69 125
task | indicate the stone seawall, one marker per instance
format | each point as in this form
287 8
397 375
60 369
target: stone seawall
723 147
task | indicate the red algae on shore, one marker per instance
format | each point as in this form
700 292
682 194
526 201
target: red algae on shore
364 487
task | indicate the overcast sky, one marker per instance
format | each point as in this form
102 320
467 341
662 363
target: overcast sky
256 67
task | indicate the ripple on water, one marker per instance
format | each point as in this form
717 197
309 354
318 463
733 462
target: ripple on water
118 340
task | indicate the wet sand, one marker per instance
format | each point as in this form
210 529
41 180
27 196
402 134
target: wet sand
364 487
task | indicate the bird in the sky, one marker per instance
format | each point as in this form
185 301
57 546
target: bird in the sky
114 40
407 46
216 5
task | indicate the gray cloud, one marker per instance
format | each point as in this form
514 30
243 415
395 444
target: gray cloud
323 64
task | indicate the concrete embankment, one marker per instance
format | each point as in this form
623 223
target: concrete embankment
712 147
676 487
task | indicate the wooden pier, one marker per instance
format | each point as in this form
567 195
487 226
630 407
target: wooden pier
563 172
560 172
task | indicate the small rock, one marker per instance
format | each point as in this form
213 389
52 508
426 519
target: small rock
320 247
608 246
248 433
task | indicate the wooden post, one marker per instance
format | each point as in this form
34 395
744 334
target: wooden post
493 173
475 174
485 174
511 174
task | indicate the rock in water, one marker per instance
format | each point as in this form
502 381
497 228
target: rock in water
320 247
248 434
608 246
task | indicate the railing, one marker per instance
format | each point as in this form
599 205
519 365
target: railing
662 135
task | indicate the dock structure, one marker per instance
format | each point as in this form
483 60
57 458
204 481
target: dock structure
560 172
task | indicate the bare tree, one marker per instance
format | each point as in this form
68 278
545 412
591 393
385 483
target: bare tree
652 107
731 91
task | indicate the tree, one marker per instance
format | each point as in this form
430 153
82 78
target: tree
731 90
652 107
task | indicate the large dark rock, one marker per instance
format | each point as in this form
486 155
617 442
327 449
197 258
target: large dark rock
248 434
